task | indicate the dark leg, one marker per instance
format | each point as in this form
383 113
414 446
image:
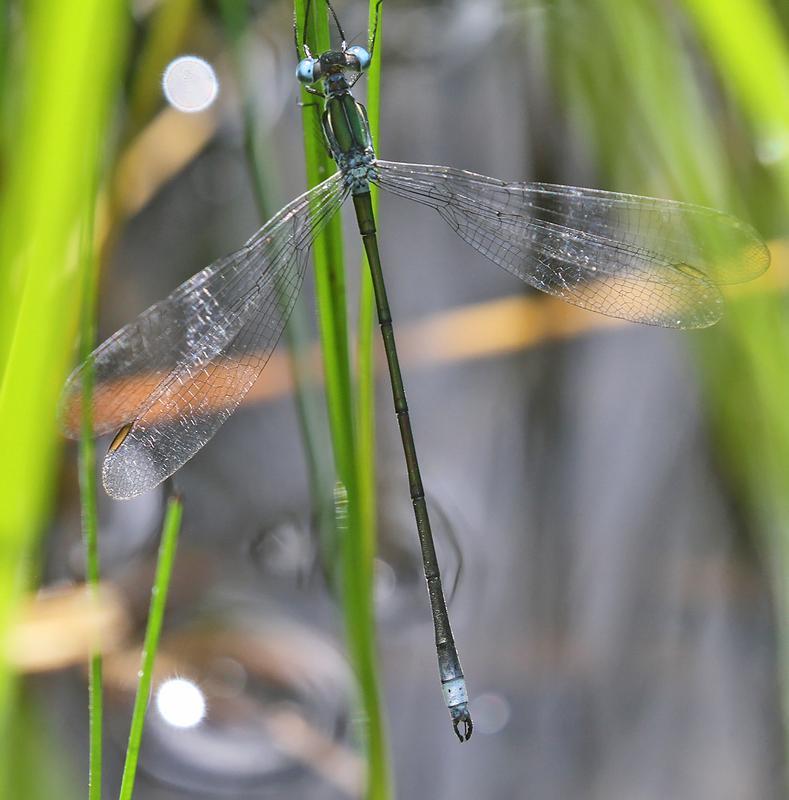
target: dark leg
337 23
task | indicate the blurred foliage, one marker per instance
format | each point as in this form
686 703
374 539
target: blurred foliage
34 742
61 76
681 98
690 100
168 543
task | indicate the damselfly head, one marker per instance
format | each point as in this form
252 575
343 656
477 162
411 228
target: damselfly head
333 62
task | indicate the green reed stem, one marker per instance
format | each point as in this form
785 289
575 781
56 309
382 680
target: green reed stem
161 585
355 537
365 392
360 564
306 395
87 483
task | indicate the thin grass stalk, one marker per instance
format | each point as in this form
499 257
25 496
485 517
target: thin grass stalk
352 544
365 391
361 562
161 585
313 429
329 269
87 483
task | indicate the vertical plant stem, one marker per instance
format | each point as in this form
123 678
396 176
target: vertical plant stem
87 482
353 541
161 584
329 273
313 427
365 392
360 564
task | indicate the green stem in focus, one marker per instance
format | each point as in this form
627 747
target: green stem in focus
365 396
354 537
161 584
360 564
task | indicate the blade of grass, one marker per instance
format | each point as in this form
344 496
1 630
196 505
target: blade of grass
329 272
87 481
365 392
758 455
761 84
312 423
161 584
62 83
362 615
351 541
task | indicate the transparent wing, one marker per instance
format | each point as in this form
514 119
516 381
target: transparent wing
652 261
171 377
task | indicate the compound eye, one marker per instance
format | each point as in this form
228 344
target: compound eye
306 71
361 55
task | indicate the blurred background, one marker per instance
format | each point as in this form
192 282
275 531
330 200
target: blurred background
610 501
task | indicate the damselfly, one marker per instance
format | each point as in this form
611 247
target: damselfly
652 261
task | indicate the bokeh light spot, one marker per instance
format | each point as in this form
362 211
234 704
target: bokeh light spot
491 713
180 703
190 84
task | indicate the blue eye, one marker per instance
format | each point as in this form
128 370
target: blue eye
305 72
362 56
